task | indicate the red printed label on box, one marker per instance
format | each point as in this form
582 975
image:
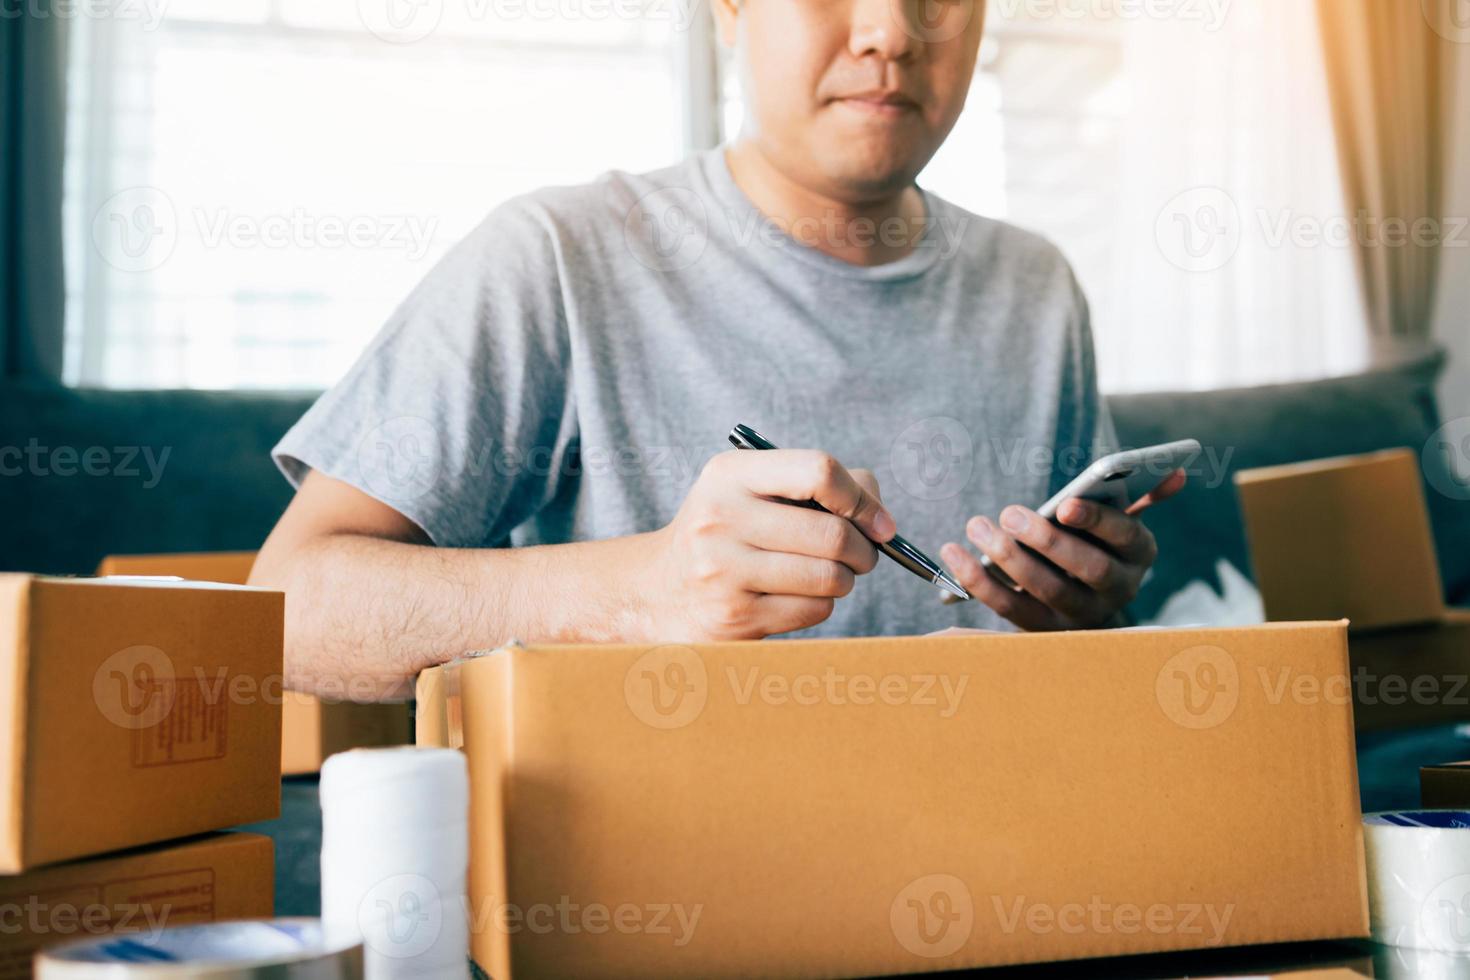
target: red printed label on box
156 901
192 730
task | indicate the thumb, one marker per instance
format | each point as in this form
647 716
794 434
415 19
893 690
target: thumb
867 481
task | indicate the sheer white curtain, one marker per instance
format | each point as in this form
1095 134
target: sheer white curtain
1235 244
1185 161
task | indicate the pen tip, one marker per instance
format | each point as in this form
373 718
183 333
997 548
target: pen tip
948 584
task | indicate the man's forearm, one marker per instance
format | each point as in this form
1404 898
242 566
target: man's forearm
364 614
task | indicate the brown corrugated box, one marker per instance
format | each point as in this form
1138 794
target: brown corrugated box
204 879
134 711
1346 537
311 729
1350 537
878 806
1414 676
1445 787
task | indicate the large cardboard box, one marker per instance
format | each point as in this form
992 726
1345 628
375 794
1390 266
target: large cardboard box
1343 538
827 808
311 729
1414 676
133 711
204 879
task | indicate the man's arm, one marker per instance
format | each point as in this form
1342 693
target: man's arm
370 601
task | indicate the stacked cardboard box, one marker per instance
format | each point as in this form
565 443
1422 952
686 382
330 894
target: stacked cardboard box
134 712
311 729
210 878
1350 537
878 806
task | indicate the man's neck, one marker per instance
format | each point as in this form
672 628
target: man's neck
867 233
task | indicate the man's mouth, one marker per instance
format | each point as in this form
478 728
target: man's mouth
884 103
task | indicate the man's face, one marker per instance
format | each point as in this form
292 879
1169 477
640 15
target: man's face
852 98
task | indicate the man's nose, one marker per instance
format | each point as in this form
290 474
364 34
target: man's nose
887 29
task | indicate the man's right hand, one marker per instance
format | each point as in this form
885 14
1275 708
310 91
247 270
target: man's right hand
737 562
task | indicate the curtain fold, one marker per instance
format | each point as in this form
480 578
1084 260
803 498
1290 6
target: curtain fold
1384 67
32 147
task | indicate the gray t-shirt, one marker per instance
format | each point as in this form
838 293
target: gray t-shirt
566 370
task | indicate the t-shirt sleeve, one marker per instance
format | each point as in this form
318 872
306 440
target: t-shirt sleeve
458 415
1084 425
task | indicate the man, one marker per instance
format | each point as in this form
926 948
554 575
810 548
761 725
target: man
530 448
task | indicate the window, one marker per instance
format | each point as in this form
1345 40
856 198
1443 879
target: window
253 185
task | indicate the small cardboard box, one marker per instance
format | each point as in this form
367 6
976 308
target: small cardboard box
1345 538
311 729
1413 676
134 711
821 808
204 879
1445 787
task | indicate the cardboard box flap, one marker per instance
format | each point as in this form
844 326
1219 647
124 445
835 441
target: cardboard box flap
1263 474
221 566
160 581
14 609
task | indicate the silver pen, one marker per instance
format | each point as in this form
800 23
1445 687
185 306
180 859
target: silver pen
744 437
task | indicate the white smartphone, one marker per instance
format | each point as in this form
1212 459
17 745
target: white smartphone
1117 481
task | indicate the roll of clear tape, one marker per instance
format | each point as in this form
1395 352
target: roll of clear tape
275 949
1402 963
395 851
1419 879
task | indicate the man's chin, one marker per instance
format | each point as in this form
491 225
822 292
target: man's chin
873 176
873 164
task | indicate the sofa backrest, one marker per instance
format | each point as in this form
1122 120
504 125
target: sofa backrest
87 473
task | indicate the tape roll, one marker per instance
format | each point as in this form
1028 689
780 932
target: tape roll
395 850
1419 879
278 949
1402 963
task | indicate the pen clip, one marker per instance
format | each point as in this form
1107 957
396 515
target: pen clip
744 437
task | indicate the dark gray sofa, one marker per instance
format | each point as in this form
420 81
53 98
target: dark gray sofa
218 489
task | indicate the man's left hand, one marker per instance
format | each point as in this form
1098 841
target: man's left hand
1077 576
